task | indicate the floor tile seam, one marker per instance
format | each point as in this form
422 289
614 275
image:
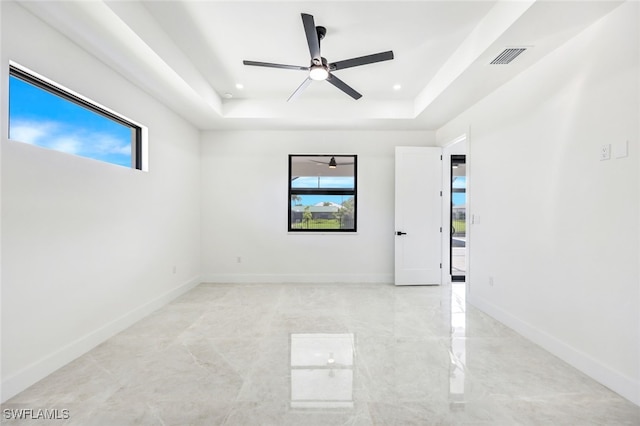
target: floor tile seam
20 400
197 361
240 374
155 412
252 372
560 398
293 285
475 374
115 377
494 338
59 400
227 415
557 398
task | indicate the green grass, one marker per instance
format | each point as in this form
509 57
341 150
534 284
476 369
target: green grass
318 224
459 225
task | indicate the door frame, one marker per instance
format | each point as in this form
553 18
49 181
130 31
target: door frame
457 146
459 159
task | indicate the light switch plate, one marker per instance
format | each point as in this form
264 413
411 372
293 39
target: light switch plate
621 149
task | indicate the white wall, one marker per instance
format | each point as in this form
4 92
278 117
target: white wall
245 200
558 228
87 247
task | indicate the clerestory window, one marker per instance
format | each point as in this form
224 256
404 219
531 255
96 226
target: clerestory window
48 115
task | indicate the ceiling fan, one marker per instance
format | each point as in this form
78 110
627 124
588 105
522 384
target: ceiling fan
319 69
332 163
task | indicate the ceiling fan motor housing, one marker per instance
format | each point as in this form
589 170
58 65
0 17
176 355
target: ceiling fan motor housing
322 62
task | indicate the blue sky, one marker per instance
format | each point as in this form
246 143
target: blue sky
347 182
41 118
323 182
309 200
459 198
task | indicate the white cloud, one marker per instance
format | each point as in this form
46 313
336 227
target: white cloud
68 138
31 132
68 144
107 144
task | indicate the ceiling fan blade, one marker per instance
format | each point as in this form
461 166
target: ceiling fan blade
299 90
343 86
326 162
281 66
312 36
362 60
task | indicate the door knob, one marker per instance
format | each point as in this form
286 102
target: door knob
401 233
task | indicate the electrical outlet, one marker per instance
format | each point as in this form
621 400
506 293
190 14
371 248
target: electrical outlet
605 152
238 259
490 281
175 269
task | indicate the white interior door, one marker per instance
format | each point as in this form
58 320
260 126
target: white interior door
418 240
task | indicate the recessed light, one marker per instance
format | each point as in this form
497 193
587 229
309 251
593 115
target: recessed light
228 95
239 86
397 87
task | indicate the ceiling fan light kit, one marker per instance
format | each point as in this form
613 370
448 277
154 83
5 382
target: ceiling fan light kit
318 73
319 69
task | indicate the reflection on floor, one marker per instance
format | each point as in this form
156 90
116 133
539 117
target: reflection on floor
458 256
322 370
335 354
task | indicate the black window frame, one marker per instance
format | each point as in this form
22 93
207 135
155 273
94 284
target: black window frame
324 191
136 130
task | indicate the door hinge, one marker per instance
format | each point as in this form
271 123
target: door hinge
441 193
441 229
441 266
441 158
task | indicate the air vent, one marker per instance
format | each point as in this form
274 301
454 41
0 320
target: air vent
507 56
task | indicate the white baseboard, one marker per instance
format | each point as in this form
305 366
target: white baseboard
21 380
627 387
297 278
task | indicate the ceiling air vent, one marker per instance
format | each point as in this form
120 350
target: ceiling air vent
508 55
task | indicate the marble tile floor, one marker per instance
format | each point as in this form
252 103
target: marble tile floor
311 354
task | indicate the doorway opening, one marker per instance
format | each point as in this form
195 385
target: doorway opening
458 216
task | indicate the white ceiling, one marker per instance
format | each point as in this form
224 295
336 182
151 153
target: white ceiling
189 55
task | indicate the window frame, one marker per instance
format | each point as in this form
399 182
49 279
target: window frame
33 78
324 191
